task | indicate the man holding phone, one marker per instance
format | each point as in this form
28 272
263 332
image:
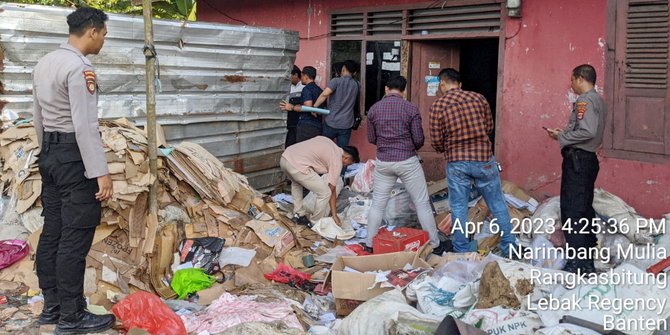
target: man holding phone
579 142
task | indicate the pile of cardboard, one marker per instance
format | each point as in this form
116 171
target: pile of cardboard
197 197
20 176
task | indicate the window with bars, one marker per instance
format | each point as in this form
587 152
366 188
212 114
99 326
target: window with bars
449 21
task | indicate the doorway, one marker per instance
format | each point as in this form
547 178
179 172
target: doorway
479 71
475 59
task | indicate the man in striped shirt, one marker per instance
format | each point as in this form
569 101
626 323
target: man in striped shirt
460 124
394 126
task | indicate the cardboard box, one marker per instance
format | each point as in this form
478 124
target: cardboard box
440 204
443 222
400 239
274 235
351 289
438 186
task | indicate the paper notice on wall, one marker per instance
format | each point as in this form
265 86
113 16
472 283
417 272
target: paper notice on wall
391 66
433 65
432 85
396 44
369 58
388 56
395 52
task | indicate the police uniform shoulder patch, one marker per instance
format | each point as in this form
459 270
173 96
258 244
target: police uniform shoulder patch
581 109
91 85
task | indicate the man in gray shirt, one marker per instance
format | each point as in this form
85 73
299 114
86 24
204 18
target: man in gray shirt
579 142
75 179
341 94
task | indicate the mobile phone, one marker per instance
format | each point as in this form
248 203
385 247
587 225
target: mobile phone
545 128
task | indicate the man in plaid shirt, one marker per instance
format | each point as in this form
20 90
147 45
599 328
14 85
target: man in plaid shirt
460 124
394 126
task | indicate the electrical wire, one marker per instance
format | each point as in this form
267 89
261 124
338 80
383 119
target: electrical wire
224 14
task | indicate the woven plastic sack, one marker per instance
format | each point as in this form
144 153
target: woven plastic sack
11 251
147 311
187 281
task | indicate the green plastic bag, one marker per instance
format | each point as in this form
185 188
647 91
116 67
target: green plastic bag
187 281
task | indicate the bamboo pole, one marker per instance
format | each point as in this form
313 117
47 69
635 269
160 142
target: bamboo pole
149 53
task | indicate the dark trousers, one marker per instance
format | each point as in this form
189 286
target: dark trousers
308 129
291 133
579 173
71 214
341 136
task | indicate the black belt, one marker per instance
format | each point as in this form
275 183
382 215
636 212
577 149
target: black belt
58 137
573 150
573 154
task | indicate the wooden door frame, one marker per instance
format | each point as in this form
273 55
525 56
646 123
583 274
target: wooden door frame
611 94
407 41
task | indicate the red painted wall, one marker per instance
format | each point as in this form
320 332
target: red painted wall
541 49
310 18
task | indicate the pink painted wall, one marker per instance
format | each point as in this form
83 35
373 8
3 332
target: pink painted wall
541 49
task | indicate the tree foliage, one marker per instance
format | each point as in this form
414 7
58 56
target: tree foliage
166 9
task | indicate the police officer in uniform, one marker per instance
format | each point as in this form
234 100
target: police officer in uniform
75 179
579 142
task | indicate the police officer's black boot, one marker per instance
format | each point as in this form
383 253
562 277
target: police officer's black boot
51 311
76 320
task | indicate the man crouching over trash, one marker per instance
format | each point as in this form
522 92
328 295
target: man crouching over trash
304 162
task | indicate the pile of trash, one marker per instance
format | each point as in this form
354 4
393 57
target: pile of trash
221 258
208 217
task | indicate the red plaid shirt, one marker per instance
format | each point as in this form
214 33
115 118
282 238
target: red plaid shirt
460 124
394 126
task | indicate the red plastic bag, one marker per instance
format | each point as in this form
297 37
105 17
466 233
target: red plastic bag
147 311
287 275
358 249
11 251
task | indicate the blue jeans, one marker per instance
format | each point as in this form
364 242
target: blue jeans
341 136
486 178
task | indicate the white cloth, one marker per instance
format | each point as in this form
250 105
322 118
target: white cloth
327 228
297 88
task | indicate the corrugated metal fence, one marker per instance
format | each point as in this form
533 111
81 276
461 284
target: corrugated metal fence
221 84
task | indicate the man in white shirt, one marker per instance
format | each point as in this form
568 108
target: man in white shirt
294 98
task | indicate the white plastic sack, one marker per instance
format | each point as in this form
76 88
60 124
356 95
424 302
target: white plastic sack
411 324
549 211
498 320
376 315
541 243
410 291
327 228
612 242
461 271
363 180
437 297
565 329
358 210
629 290
467 295
236 256
612 207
